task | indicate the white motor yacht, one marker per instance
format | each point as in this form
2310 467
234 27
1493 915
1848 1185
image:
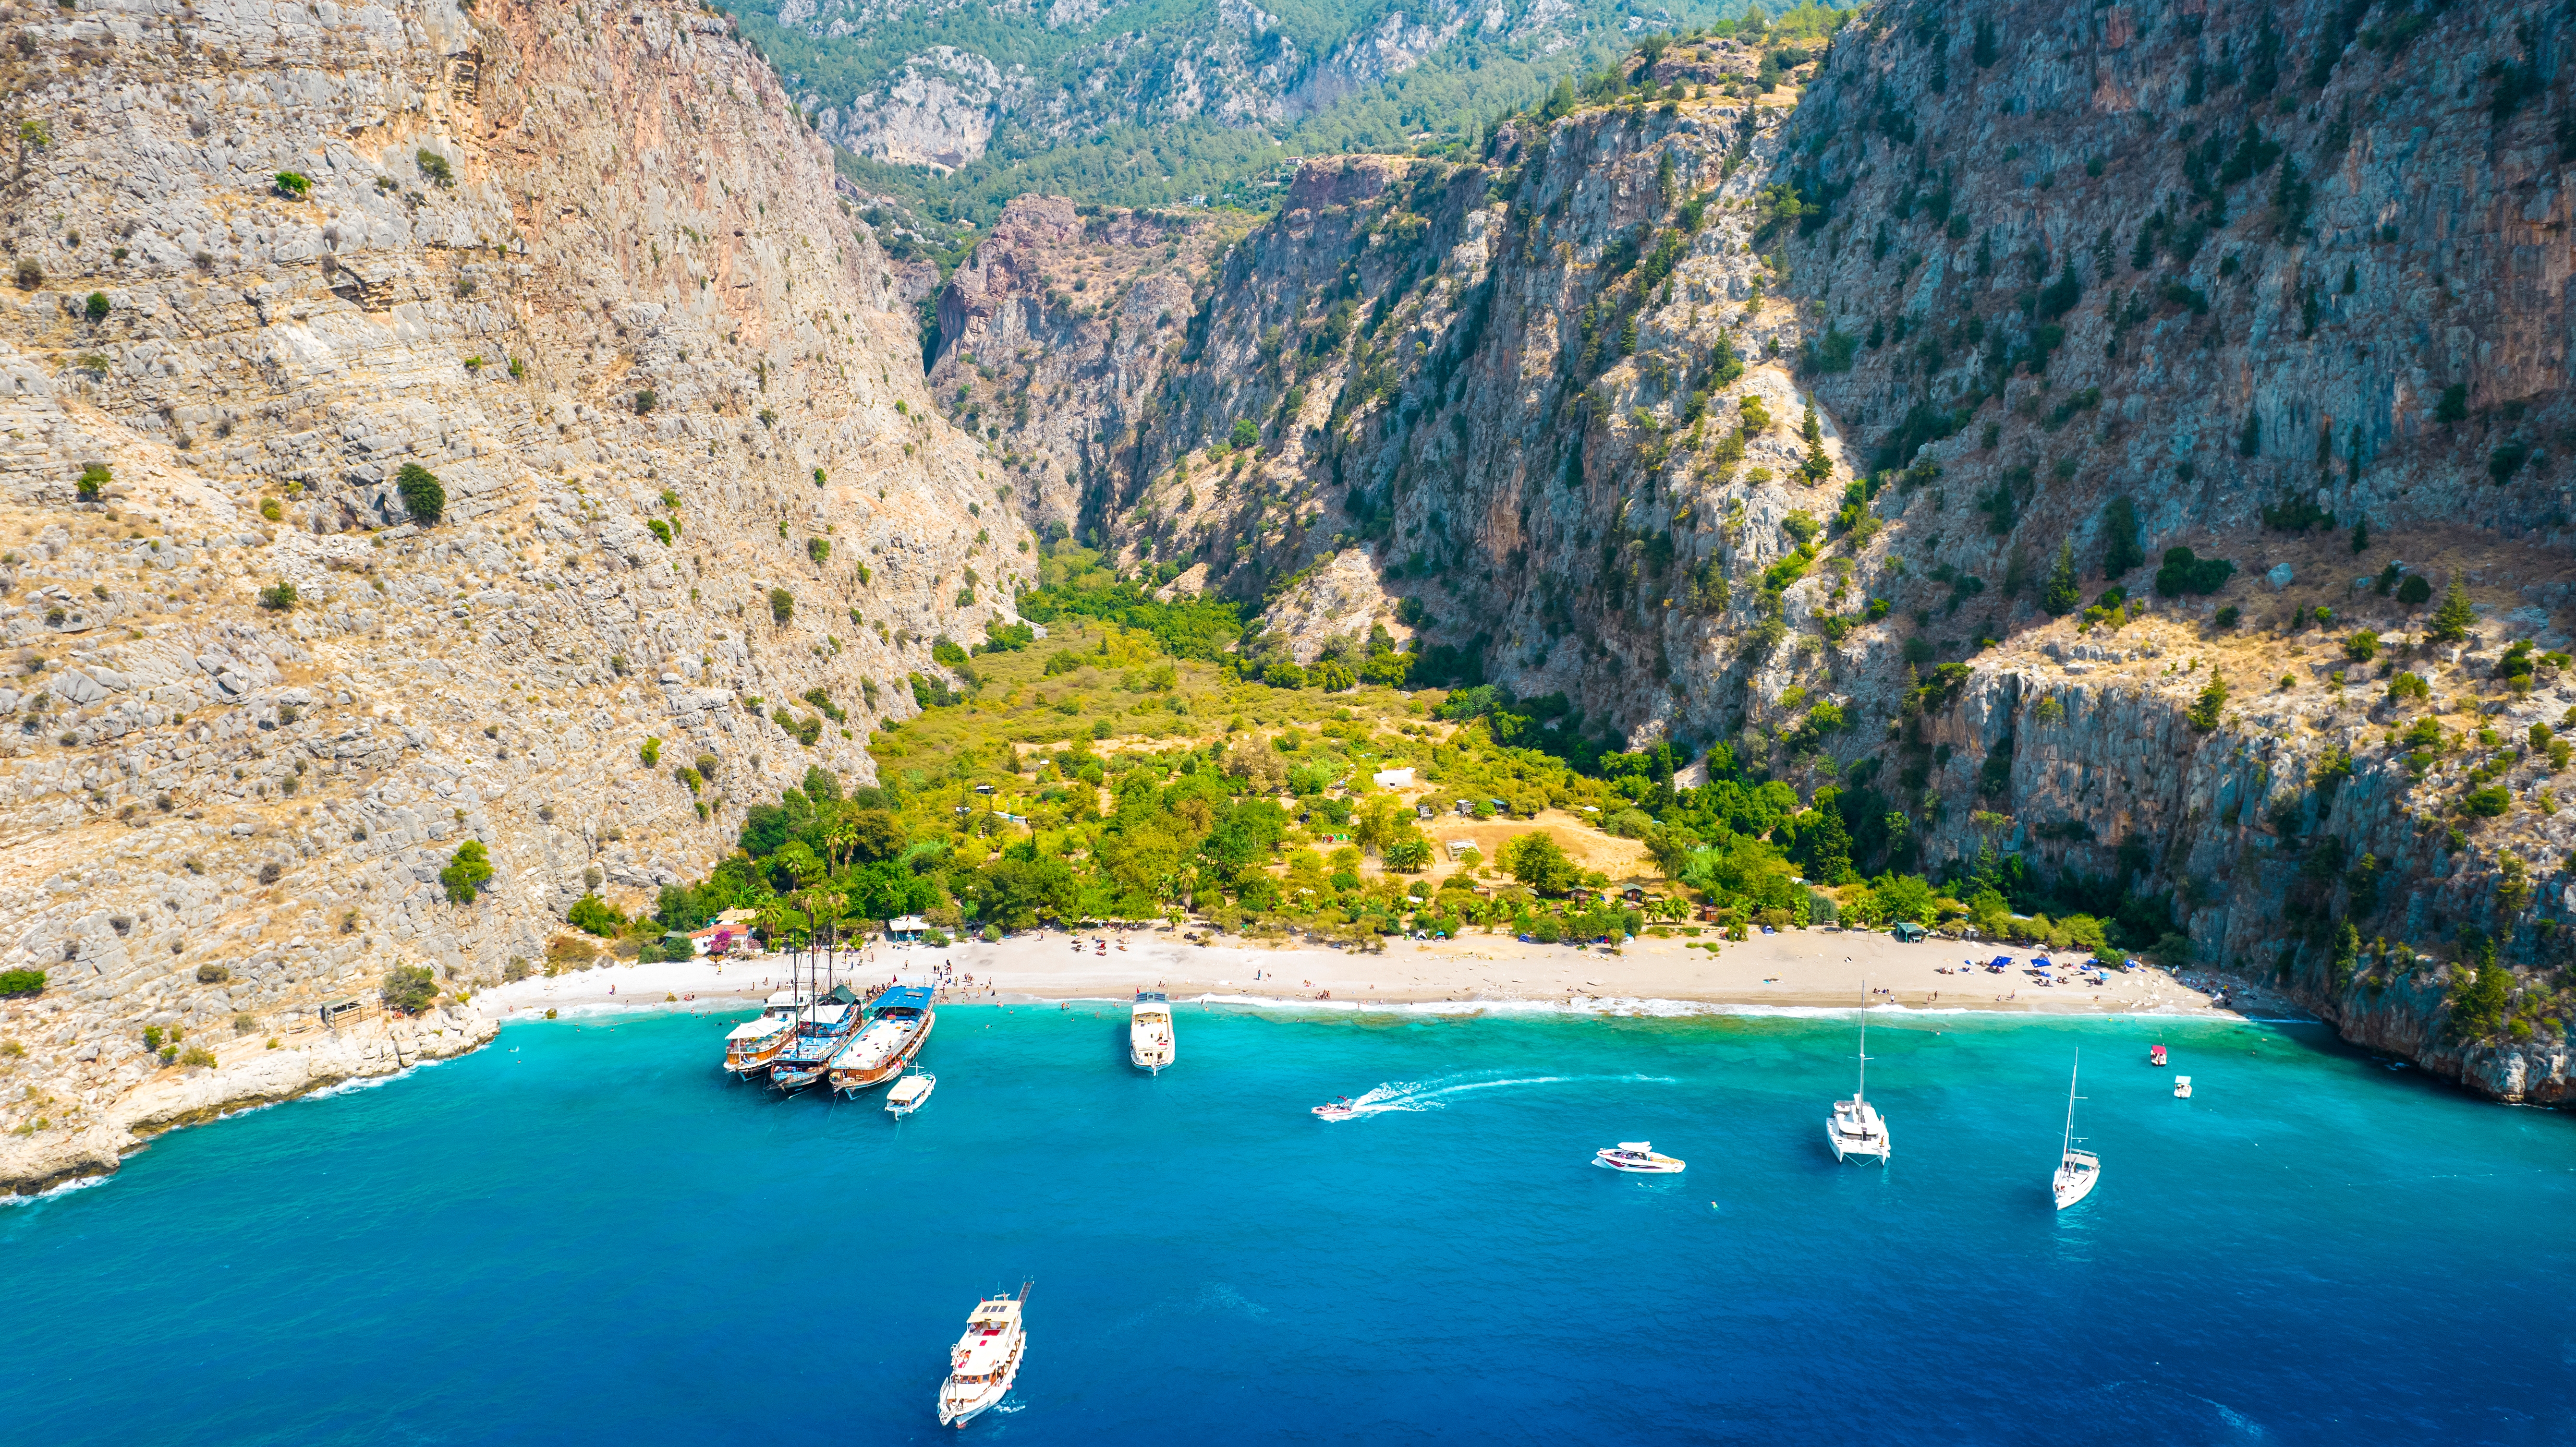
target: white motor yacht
2182 1087
1855 1128
1640 1157
1149 1032
909 1093
985 1361
2077 1171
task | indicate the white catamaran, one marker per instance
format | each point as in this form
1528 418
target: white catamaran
2077 1171
985 1360
1149 1032
1855 1129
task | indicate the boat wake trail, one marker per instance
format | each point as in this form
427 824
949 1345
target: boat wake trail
1395 1095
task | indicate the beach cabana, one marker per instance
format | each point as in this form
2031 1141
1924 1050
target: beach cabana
906 929
1908 932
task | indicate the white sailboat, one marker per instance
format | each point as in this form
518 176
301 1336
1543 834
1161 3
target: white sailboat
2077 1171
1855 1128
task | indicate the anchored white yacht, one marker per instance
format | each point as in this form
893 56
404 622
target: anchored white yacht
2077 1171
985 1361
1855 1128
1639 1157
1149 1032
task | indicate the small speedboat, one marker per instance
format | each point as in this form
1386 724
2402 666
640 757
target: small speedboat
1340 1109
2156 1055
2182 1087
909 1093
1640 1157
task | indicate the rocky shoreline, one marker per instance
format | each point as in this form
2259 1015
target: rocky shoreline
256 1076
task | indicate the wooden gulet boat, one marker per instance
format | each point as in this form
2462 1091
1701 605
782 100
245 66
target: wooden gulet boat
755 1043
899 1021
820 1034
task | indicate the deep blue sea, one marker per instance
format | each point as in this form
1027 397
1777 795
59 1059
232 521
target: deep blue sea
583 1234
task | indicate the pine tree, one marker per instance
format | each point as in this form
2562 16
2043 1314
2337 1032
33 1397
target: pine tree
1813 430
2361 535
2121 552
2061 596
2204 715
2451 621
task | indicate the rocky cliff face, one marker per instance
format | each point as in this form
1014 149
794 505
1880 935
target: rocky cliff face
590 273
2026 264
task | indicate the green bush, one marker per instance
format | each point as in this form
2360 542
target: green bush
434 166
213 974
279 597
819 549
1247 433
2185 573
645 400
2415 591
782 605
467 873
593 915
93 479
294 186
2487 803
2361 647
650 752
21 982
422 496
409 988
99 306
197 1055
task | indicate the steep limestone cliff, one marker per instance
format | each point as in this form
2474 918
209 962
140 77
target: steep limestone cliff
2160 276
589 271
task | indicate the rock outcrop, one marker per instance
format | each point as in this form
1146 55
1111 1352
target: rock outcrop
699 522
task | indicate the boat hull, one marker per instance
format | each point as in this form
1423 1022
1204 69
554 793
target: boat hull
850 1080
793 1078
961 1403
2068 1193
752 1062
1848 1150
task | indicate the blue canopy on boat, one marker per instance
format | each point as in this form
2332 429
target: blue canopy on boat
901 997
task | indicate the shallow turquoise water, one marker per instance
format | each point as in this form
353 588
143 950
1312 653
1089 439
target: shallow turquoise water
584 1234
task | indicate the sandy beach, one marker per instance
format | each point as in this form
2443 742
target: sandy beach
1795 969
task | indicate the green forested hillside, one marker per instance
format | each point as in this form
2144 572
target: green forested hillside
1143 136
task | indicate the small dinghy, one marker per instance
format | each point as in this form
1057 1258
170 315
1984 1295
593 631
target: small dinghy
2182 1087
910 1093
1340 1109
2156 1055
1639 1157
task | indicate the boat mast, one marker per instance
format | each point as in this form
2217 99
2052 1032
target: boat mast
1861 1089
2067 1145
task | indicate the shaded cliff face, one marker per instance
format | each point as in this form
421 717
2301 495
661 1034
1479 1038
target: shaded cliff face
594 279
1055 335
